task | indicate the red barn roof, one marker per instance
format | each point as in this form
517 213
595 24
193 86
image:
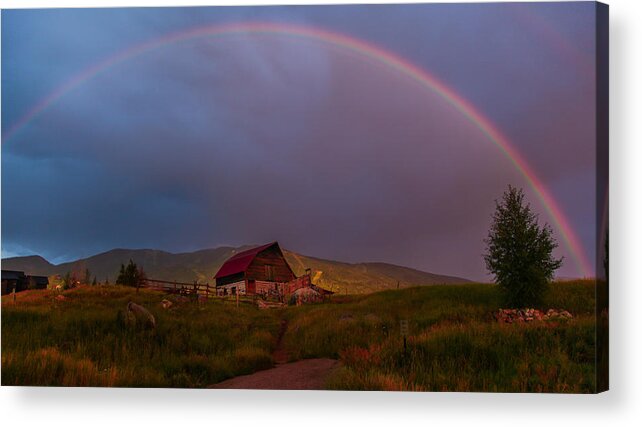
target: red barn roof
242 260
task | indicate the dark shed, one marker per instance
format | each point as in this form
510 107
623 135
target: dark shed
37 282
11 280
17 280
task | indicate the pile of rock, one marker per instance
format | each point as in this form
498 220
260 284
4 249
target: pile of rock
305 296
514 315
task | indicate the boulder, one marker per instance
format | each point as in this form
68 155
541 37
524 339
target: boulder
140 316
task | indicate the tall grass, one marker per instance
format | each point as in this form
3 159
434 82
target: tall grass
453 343
80 341
477 357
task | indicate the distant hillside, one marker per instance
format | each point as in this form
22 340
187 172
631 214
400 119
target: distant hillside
202 266
364 277
34 265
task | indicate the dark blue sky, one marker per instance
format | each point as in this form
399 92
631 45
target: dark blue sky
249 139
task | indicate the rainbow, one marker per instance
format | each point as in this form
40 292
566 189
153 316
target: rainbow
363 49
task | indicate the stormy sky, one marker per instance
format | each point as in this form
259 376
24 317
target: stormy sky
249 138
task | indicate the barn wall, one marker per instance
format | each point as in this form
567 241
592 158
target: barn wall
280 268
265 287
240 287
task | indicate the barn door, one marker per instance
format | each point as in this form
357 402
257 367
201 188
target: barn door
269 272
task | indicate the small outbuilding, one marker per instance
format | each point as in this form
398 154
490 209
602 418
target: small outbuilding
18 281
13 280
37 282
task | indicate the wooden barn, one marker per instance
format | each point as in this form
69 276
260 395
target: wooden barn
261 270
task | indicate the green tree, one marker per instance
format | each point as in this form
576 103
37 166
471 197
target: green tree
131 275
120 279
519 253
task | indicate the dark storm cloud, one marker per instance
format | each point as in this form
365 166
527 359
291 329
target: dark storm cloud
249 139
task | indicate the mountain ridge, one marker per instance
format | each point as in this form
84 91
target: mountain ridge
201 265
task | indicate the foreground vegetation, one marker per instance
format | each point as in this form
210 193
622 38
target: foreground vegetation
81 340
453 342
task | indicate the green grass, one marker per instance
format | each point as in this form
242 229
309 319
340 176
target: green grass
81 342
453 342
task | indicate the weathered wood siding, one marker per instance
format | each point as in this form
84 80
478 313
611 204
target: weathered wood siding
270 266
227 289
266 287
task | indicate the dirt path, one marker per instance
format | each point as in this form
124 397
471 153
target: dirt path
280 355
308 374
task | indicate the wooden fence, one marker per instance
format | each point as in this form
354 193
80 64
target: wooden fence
181 288
210 291
195 290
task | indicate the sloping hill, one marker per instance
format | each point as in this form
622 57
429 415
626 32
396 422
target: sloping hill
364 277
202 266
34 265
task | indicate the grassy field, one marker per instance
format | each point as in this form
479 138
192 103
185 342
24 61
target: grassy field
453 345
80 340
453 342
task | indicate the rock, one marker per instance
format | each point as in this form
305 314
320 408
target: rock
305 296
512 315
139 316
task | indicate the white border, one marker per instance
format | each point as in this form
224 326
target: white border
621 406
